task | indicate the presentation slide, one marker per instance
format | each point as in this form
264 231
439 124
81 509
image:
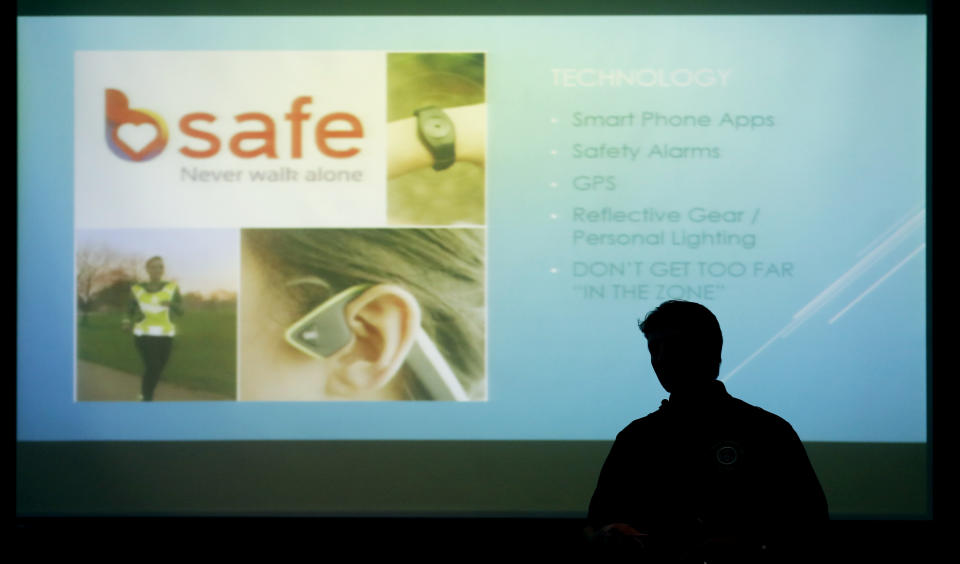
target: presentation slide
389 229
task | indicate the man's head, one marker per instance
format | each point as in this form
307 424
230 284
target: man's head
155 268
684 340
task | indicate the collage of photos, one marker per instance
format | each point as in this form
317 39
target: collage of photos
382 313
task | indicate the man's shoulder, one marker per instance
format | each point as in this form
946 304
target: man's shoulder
760 418
731 410
646 423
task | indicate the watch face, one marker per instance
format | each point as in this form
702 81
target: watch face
436 127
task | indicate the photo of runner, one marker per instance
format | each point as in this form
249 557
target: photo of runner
160 328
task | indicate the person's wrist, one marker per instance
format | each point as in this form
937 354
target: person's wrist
473 119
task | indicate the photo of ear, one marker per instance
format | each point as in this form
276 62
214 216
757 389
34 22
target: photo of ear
362 315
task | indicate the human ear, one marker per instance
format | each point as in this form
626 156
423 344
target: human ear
384 322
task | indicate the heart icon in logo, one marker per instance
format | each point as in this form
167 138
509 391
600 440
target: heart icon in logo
133 134
137 136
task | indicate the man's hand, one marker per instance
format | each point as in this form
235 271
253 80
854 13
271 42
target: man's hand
620 534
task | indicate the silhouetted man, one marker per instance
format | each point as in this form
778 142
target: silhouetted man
706 476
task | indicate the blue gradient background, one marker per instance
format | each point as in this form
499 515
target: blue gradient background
844 163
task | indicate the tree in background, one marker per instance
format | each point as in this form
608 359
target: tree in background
101 269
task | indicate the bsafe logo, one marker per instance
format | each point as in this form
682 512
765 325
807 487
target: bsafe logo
133 134
140 135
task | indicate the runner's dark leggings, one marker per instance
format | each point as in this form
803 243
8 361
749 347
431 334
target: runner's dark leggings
155 351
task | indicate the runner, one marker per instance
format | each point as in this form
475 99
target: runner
149 314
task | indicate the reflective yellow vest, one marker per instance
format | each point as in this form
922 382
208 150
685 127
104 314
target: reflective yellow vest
156 317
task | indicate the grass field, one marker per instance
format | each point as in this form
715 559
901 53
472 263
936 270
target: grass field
204 353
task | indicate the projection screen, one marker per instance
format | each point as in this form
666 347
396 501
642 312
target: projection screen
402 257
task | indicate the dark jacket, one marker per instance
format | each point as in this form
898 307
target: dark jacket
710 466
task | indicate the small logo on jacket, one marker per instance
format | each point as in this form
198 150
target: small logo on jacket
727 453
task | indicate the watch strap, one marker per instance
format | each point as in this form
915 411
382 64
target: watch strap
435 129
